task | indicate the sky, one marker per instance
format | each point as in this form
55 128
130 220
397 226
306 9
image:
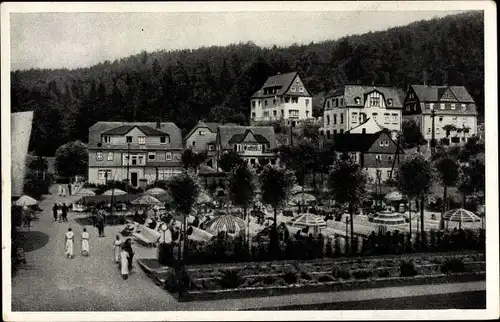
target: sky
72 40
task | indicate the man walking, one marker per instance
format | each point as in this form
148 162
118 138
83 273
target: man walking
54 211
64 212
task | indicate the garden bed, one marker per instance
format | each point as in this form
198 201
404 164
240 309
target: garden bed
204 282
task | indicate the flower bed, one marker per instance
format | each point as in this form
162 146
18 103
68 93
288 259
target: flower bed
265 279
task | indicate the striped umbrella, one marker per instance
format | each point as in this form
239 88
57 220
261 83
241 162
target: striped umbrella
228 223
308 220
146 200
461 215
116 192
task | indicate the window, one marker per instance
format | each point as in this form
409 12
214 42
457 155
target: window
341 118
253 103
282 113
99 156
440 119
274 113
151 155
141 160
265 102
341 131
168 156
328 104
374 101
389 157
438 130
431 106
454 119
274 101
386 117
301 89
295 99
141 139
378 157
374 115
307 113
294 113
307 102
389 102
452 106
287 99
428 130
293 89
328 120
464 107
211 147
334 118
110 156
341 101
354 117
441 106
394 118
336 102
102 174
163 139
194 143
266 114
258 103
106 139
389 173
129 139
357 100
202 132
253 115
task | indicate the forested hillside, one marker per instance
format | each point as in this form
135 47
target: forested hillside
215 83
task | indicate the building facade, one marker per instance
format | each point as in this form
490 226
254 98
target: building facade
348 106
142 152
375 153
254 144
452 106
202 139
282 97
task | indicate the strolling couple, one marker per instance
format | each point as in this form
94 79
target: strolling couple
124 255
69 243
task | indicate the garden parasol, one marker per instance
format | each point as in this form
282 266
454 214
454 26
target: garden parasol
116 192
146 200
309 220
297 189
228 223
461 215
156 191
25 201
394 196
303 198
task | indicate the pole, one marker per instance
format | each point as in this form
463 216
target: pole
291 132
128 165
347 235
433 138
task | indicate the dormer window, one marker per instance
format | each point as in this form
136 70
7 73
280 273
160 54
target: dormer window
389 102
293 89
464 107
163 139
202 132
357 100
106 139
301 89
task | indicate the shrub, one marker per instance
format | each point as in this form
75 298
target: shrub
383 273
341 273
164 254
453 265
268 280
305 276
178 281
362 274
290 277
230 279
325 278
407 269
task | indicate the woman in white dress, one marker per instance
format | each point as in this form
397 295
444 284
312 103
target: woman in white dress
117 248
85 243
124 263
69 243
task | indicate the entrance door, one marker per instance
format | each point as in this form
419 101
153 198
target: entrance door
133 178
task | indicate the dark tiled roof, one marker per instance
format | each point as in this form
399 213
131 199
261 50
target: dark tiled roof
354 142
166 128
226 133
426 93
124 129
350 92
212 126
283 81
237 138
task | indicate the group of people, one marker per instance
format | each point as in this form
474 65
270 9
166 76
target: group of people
60 212
123 255
69 243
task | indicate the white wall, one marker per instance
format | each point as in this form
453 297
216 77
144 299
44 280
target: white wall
278 106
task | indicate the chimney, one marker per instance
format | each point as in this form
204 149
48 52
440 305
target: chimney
425 78
158 124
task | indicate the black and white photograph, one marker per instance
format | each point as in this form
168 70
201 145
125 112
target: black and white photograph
196 160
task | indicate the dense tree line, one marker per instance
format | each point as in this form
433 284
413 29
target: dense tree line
215 83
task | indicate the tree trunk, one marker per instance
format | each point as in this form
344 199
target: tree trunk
184 240
247 218
422 219
445 198
463 200
409 214
275 232
351 215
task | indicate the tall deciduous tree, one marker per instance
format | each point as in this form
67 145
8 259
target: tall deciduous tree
347 184
184 191
275 185
72 159
414 179
411 134
448 170
242 190
229 160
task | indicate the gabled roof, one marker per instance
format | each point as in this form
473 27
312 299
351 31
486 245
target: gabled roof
124 129
167 128
212 126
230 134
350 92
370 125
283 81
427 93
